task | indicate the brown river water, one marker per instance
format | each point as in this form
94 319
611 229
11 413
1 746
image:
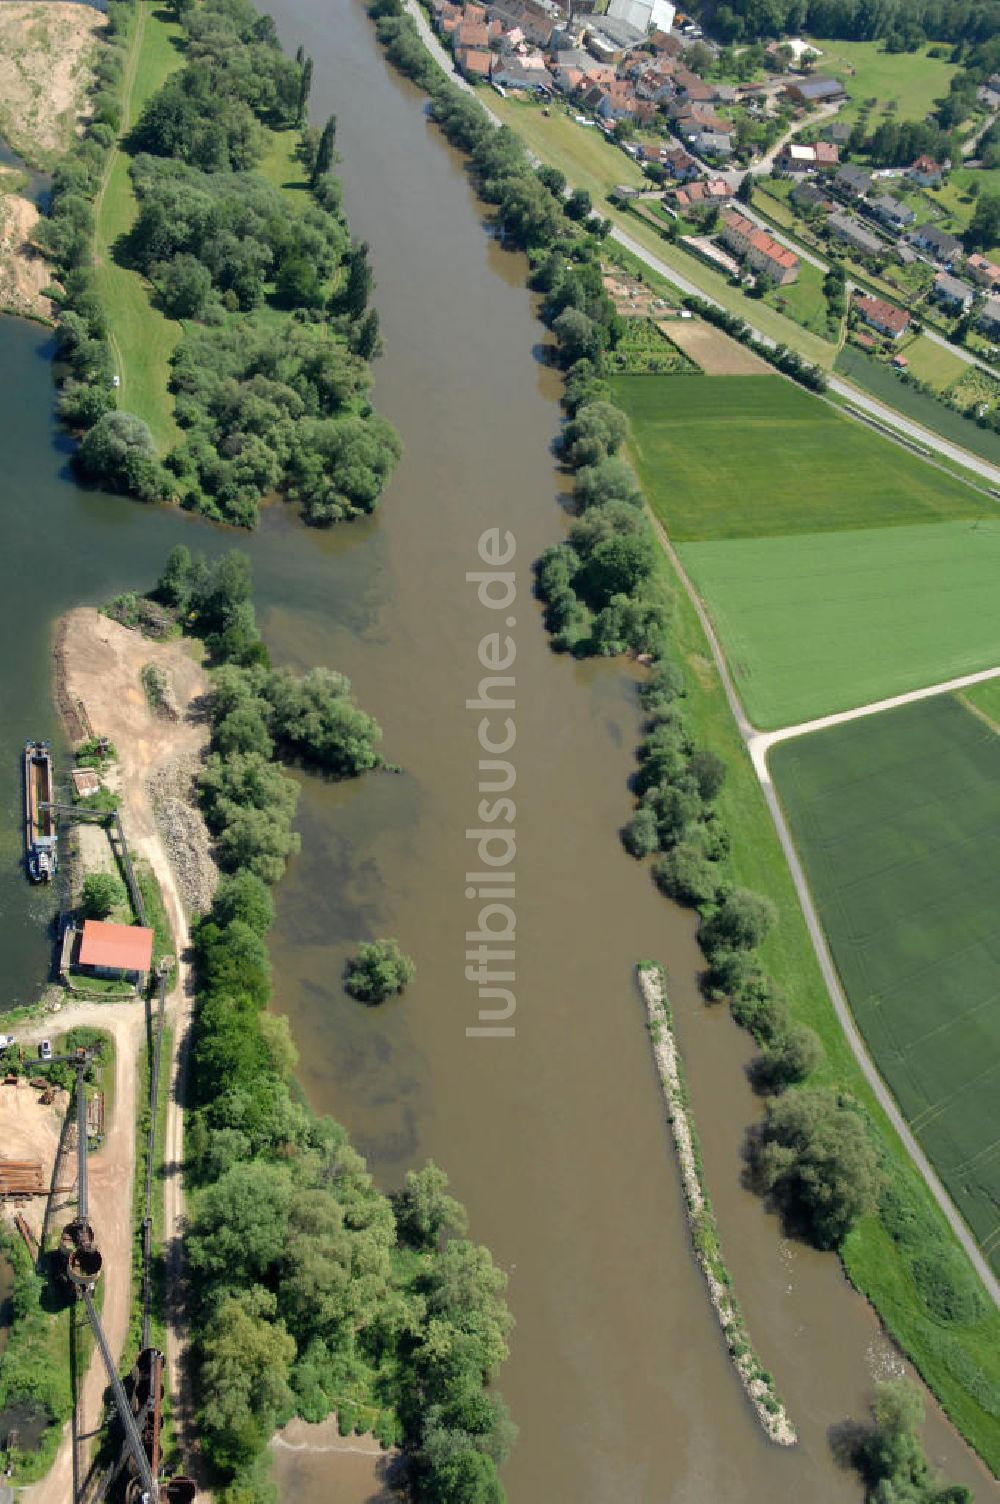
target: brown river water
554 1137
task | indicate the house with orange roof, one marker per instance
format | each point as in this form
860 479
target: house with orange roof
759 249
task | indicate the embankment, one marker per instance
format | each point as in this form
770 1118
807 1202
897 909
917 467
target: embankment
756 1381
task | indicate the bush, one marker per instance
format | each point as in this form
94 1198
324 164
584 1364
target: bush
102 893
817 1159
686 875
378 971
947 1285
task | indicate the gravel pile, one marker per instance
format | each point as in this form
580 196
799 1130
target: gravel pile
183 832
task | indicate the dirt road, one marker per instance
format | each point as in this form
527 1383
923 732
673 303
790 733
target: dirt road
99 663
110 1175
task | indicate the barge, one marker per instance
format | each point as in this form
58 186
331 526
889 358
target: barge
39 812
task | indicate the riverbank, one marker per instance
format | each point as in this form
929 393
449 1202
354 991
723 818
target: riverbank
757 1383
960 1366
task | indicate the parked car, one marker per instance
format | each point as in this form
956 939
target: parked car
6 1040
45 1050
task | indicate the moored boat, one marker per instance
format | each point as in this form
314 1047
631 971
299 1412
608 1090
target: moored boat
39 813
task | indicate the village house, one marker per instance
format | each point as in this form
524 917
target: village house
853 181
535 18
989 316
711 143
878 314
760 250
474 62
697 197
806 196
680 164
985 273
115 951
797 158
530 73
892 212
853 233
926 172
815 90
642 14
942 246
951 292
610 40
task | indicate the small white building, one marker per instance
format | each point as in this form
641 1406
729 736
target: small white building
642 14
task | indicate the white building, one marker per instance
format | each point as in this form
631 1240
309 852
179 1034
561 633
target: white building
642 14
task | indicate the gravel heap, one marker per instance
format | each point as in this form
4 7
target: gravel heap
173 792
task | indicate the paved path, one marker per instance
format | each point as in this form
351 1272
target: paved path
757 744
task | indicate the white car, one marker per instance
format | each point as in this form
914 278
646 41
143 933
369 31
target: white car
45 1050
6 1040
116 381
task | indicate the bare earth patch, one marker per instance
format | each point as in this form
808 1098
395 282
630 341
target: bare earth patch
45 48
24 273
714 351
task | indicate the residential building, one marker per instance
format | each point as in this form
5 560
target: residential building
989 315
470 34
953 293
806 195
712 143
855 182
892 211
523 73
610 40
815 90
883 316
795 158
697 197
942 246
986 273
926 172
759 249
115 950
474 62
853 233
680 165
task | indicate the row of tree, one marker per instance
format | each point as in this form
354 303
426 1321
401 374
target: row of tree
312 1290
266 406
905 24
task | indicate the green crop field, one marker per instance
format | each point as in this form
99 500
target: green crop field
816 624
897 819
733 456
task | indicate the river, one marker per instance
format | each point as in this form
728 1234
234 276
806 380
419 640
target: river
555 1138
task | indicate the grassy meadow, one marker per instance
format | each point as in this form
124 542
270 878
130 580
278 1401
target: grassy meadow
897 820
910 81
142 337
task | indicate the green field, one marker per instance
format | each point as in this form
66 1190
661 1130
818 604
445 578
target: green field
897 819
142 338
910 80
735 456
821 623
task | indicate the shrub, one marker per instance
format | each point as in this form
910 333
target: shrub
102 892
378 971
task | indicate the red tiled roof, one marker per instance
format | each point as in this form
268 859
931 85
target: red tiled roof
120 947
885 315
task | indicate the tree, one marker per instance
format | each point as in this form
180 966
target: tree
741 922
175 583
245 1359
243 896
609 480
685 874
640 835
579 204
359 281
745 191
102 892
297 283
425 1211
984 227
305 84
818 1160
367 341
120 452
597 431
184 285
790 1057
378 971
580 338
324 152
528 214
